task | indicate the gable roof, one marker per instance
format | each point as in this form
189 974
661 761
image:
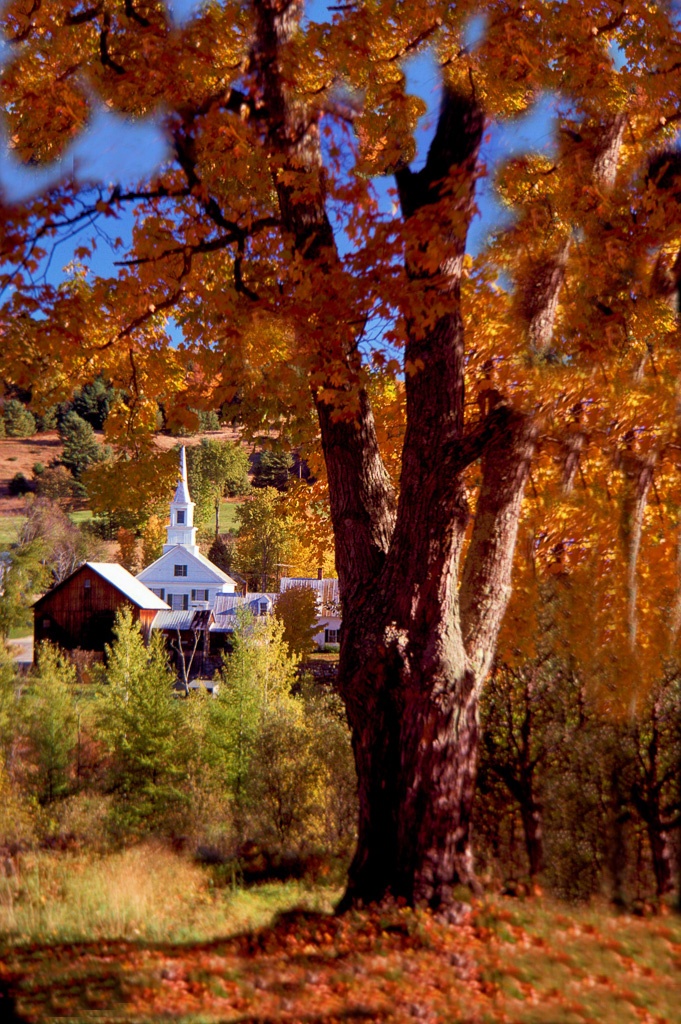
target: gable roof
227 606
119 578
186 553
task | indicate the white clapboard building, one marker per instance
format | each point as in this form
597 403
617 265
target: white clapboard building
182 576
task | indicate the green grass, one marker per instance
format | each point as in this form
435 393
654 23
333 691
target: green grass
146 892
9 530
228 520
81 516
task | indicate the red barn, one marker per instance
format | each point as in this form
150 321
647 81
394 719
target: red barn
80 611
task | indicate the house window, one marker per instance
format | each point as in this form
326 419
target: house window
263 607
199 595
180 518
332 636
178 602
46 623
159 593
180 570
87 584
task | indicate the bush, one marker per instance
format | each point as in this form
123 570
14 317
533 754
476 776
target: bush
57 484
19 484
38 469
19 422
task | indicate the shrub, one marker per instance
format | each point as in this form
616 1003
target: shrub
19 422
19 484
38 469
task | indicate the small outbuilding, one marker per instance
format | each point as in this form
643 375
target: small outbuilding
81 610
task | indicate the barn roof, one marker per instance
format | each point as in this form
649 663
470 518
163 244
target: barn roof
122 580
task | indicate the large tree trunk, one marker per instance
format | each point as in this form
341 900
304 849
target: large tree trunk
418 635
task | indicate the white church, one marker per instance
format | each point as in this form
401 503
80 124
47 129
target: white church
183 577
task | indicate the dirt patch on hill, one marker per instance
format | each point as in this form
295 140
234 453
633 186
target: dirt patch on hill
19 455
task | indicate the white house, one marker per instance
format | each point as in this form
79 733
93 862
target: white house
182 576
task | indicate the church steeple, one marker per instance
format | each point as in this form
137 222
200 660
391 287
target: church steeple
181 529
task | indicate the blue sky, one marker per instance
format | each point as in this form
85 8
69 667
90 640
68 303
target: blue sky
116 149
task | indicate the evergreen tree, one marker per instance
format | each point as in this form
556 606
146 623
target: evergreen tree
273 469
93 401
221 552
81 448
142 723
19 421
50 721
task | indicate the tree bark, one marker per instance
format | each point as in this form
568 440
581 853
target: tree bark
418 637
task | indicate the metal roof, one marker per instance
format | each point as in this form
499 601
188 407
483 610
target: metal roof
173 620
227 605
190 618
128 585
328 595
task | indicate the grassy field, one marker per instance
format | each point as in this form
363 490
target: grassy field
147 934
9 530
228 520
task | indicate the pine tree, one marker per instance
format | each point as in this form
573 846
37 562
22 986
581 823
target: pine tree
49 717
142 723
81 448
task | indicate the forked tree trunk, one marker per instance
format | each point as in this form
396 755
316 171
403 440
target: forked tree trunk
419 633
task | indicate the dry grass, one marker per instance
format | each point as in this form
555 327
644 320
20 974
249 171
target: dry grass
147 893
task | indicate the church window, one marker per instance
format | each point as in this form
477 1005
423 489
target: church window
180 518
180 570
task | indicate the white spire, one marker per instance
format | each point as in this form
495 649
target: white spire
181 529
182 492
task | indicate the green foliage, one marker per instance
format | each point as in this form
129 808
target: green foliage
24 576
264 534
48 419
141 721
38 469
19 421
49 719
81 448
8 705
221 552
215 468
297 609
93 401
273 469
